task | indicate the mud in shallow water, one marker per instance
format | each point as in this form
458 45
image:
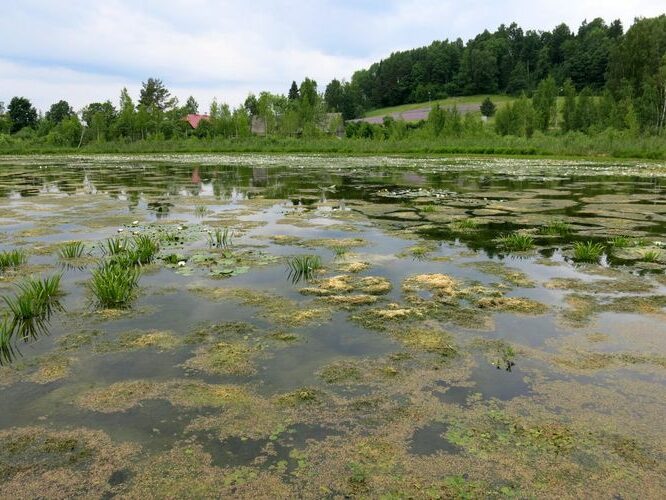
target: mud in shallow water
453 339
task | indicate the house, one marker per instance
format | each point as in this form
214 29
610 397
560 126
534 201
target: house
194 120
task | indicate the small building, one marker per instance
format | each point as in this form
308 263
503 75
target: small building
194 120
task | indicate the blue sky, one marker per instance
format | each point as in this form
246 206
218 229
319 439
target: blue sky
84 51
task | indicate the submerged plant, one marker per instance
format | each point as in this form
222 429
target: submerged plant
114 286
303 267
556 228
220 238
588 251
12 258
72 250
519 242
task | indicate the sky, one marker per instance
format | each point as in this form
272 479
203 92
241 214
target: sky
88 50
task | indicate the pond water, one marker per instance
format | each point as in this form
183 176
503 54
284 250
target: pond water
330 327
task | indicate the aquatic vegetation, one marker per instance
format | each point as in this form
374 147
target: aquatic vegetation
556 228
353 267
131 340
12 259
72 250
233 358
302 396
651 256
620 242
114 246
220 238
36 461
7 349
429 208
303 267
510 275
145 248
340 251
517 242
201 210
114 286
32 307
464 225
512 304
587 251
340 372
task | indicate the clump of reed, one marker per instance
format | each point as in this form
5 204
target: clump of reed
620 242
140 250
587 251
12 259
518 242
72 250
200 210
113 285
556 228
464 225
651 256
303 267
220 238
31 308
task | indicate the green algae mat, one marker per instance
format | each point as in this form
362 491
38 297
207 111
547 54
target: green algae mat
312 327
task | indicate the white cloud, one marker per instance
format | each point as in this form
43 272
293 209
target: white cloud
88 50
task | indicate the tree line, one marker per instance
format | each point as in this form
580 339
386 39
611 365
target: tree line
596 79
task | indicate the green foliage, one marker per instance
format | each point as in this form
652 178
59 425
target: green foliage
12 259
588 251
556 227
145 248
32 307
303 267
21 113
114 246
114 286
518 242
488 107
220 238
619 242
72 250
651 256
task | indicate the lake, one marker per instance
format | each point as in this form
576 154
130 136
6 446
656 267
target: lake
328 327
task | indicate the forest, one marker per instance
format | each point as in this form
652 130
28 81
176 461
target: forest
566 86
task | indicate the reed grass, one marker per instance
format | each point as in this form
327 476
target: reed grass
588 251
303 267
114 286
518 242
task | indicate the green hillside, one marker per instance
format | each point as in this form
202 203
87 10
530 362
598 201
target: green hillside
499 100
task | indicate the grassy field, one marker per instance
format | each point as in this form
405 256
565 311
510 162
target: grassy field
499 100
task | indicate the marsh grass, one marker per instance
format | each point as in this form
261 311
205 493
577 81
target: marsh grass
587 251
7 349
33 306
12 259
518 242
303 267
464 225
556 228
114 286
619 242
72 250
427 208
340 251
220 238
651 256
145 248
114 246
200 210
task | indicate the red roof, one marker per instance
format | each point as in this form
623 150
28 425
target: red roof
194 120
